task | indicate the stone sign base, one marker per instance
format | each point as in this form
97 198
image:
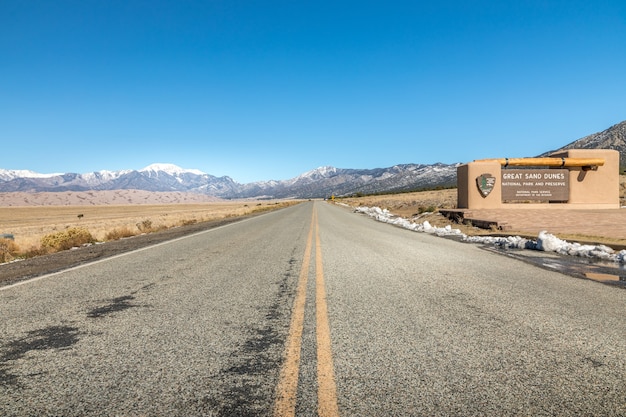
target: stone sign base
491 184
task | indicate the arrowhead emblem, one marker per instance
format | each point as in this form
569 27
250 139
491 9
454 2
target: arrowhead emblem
485 183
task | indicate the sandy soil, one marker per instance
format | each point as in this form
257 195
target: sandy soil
415 206
418 207
411 204
30 223
101 198
41 265
29 216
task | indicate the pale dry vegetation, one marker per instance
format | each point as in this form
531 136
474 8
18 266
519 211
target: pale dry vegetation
424 206
66 239
8 250
418 206
44 229
408 205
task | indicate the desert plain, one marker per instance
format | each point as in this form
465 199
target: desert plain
602 226
30 216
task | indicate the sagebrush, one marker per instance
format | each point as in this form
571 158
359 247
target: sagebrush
8 250
67 239
119 233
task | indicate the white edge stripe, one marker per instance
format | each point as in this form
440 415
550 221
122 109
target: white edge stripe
167 242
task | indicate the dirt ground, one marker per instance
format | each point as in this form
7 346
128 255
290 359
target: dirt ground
411 204
591 226
419 207
28 224
45 264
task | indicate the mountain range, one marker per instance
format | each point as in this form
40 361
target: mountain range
320 182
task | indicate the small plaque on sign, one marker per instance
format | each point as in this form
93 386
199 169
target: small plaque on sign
485 183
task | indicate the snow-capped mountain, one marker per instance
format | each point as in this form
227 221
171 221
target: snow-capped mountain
320 182
169 169
156 177
326 181
8 175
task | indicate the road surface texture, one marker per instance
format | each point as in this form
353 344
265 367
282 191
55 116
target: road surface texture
311 310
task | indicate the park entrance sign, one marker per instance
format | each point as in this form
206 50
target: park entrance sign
535 185
577 178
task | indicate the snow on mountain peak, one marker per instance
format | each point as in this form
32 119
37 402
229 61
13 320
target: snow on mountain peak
321 172
103 175
170 169
313 175
10 174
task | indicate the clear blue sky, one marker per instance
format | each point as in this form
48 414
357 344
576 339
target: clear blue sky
261 90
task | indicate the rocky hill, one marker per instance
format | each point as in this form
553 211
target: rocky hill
612 138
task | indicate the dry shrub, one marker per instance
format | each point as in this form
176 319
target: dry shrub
424 209
67 239
34 251
261 209
119 233
8 250
145 226
159 227
187 222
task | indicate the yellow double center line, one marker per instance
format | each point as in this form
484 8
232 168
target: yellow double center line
288 384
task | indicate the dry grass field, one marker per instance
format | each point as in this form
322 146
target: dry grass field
419 205
30 218
407 205
29 224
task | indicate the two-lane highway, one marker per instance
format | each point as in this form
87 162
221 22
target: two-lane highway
311 310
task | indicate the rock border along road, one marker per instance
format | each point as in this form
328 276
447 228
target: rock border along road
417 325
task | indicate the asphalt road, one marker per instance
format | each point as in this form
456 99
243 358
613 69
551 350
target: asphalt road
311 310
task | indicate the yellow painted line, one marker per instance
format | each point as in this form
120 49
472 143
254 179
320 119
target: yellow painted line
287 388
326 387
602 277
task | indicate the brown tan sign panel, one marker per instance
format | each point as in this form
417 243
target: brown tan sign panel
535 184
